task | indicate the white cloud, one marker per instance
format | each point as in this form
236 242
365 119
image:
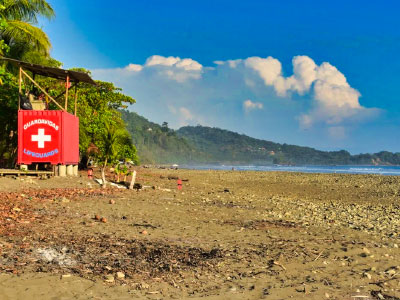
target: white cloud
189 93
249 105
134 68
335 101
269 69
175 68
157 60
219 62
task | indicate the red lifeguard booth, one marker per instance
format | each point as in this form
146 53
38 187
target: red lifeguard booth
48 136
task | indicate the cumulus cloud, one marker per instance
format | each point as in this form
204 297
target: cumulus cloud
335 101
188 92
175 68
249 105
134 68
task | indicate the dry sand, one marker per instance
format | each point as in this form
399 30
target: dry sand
225 235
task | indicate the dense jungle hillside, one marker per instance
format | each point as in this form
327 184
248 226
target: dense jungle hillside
206 145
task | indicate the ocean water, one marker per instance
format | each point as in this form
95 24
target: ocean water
381 170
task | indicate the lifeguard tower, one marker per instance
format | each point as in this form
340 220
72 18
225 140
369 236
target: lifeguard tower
48 136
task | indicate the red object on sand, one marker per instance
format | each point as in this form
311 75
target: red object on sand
90 173
179 184
48 136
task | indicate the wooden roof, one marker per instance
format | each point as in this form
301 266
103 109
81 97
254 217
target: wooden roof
52 72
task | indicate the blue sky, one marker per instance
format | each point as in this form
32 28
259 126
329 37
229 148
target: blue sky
301 72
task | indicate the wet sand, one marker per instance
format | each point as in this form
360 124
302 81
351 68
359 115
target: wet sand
225 235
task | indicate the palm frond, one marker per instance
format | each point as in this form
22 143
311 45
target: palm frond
27 10
21 32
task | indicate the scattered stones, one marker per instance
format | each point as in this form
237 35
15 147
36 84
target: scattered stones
175 260
144 286
391 272
112 201
380 296
366 251
369 276
233 289
16 209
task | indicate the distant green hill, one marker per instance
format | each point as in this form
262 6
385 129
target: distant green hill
226 146
201 145
155 143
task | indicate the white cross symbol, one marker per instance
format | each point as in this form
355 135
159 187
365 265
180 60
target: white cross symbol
41 138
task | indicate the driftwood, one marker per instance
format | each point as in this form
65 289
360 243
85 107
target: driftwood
132 180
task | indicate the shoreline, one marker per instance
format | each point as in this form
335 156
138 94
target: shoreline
313 169
272 235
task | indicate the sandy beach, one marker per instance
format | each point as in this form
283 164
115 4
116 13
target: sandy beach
225 235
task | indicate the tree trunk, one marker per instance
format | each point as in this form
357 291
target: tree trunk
103 175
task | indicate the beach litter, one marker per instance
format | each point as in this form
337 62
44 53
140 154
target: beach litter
51 255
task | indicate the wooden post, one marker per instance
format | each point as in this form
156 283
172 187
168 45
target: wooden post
66 94
133 180
76 98
44 92
20 88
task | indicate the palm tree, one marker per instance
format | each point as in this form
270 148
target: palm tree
109 141
18 30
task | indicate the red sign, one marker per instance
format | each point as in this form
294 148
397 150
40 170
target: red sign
41 138
50 136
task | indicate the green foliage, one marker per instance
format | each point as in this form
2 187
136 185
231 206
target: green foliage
101 123
157 144
19 38
206 145
228 147
121 169
18 30
8 117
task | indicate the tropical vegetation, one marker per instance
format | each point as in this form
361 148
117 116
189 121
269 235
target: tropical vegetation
19 31
101 126
205 145
108 132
